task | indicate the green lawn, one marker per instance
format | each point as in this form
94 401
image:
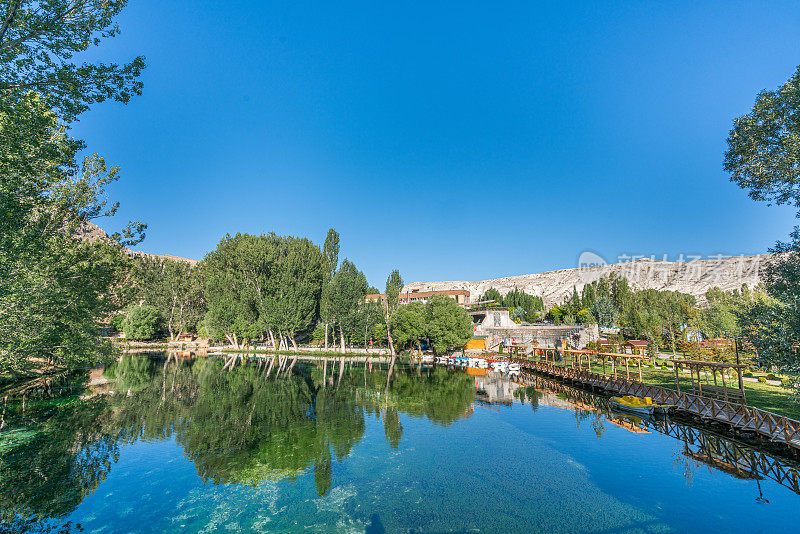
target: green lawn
775 399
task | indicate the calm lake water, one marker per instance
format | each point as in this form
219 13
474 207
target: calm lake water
189 447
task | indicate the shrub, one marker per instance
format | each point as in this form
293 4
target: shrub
141 323
771 376
747 374
762 379
117 322
786 382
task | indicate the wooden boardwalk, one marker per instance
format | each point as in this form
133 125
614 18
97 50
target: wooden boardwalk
774 427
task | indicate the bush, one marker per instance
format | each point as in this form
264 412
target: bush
141 323
762 379
771 377
747 374
117 322
786 382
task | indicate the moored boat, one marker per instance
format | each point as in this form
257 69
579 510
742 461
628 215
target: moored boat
629 403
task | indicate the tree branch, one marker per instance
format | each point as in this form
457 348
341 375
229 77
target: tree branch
47 26
12 11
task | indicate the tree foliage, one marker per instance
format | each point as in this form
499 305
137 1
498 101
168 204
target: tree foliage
174 288
142 323
259 284
446 324
763 153
54 288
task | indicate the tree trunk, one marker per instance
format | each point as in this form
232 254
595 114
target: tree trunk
294 343
272 339
326 337
389 336
289 370
324 371
271 363
341 336
391 370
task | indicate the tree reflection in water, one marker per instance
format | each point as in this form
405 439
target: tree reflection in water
236 425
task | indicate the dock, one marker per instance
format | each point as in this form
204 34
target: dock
775 428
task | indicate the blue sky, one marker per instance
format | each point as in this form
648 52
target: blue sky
463 140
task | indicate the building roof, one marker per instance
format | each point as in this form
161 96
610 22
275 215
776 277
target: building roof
637 342
423 294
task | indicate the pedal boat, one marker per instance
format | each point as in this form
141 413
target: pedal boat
638 405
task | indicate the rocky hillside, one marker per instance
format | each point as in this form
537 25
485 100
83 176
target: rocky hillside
693 277
92 232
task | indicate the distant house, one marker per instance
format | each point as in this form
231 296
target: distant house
636 346
461 296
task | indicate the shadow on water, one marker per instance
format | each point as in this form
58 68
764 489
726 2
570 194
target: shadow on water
375 525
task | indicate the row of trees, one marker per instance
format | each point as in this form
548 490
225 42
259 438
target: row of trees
521 305
279 289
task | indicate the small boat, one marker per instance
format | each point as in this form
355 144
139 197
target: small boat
645 405
476 371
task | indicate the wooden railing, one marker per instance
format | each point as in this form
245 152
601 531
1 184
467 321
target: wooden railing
774 427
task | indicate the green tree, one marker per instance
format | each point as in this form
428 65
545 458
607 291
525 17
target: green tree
174 288
531 305
54 288
394 283
330 250
408 324
763 153
446 324
492 294
346 295
603 310
763 157
38 40
142 323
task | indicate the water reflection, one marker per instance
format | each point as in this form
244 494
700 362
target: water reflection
701 447
237 425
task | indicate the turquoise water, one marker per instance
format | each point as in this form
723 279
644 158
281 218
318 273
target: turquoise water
189 447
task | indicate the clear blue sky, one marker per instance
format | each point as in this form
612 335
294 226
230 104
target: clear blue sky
463 140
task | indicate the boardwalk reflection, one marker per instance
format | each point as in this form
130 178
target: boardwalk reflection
701 446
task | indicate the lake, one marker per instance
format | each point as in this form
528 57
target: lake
188 446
